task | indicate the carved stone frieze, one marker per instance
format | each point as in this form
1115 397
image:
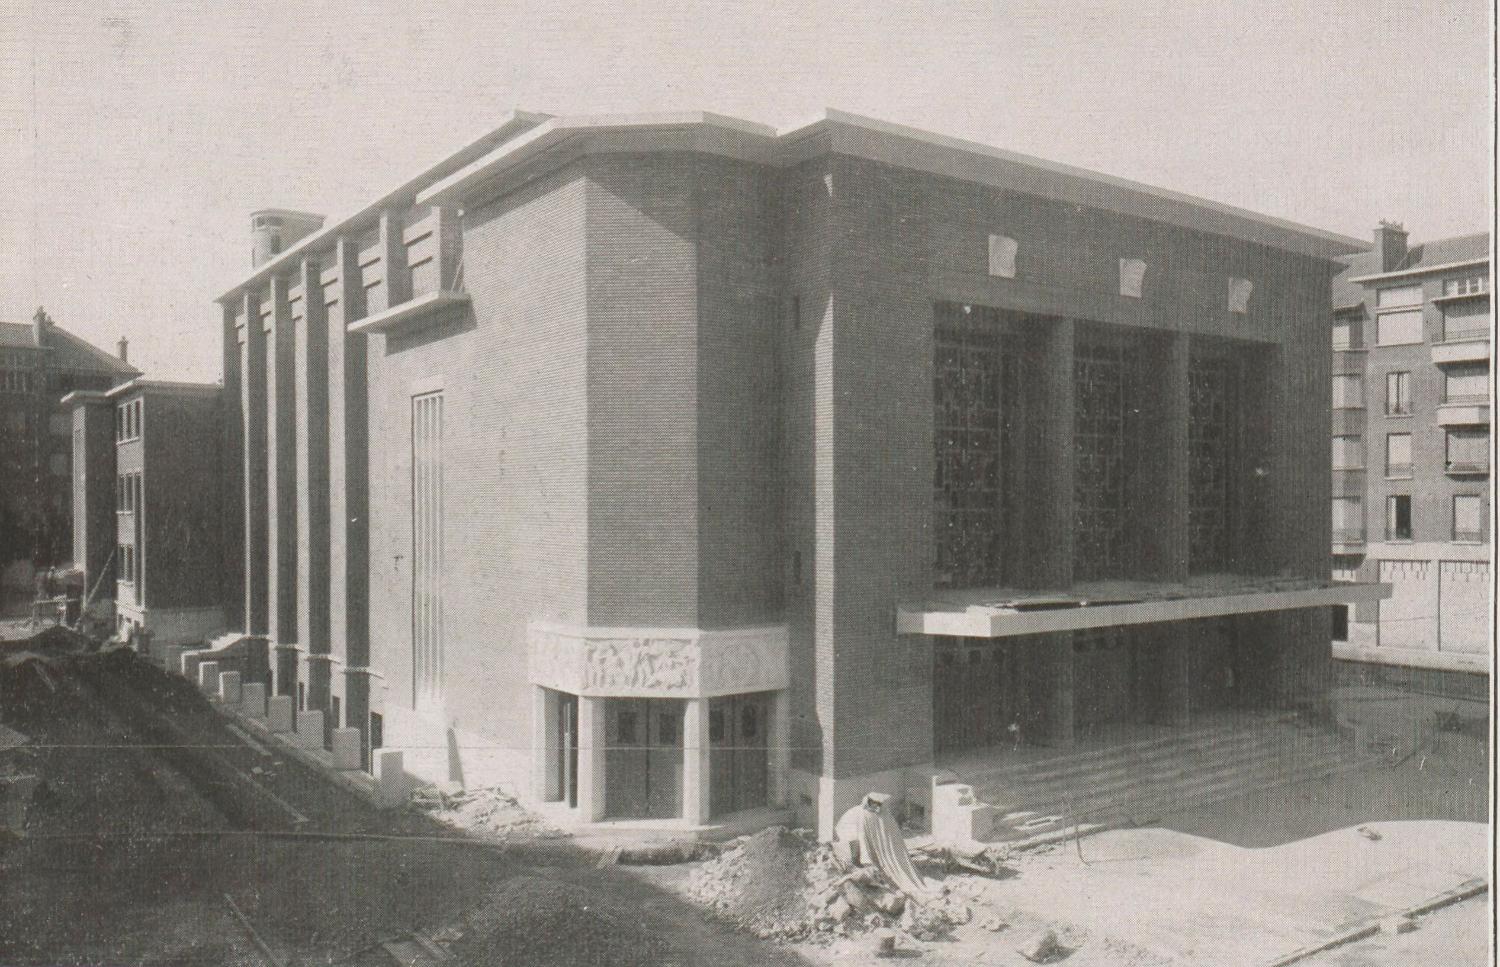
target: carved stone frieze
647 663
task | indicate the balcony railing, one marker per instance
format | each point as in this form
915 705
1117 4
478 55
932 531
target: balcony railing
1398 470
1467 468
1349 535
1465 334
1465 399
1468 536
1398 534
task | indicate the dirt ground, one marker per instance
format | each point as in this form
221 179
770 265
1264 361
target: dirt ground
129 856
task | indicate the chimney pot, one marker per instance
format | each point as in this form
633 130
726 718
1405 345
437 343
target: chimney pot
1390 245
124 350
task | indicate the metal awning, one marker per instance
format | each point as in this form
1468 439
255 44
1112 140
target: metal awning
1001 613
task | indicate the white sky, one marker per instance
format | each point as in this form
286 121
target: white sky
136 137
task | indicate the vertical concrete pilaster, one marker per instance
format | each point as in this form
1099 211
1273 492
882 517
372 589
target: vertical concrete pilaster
252 342
348 480
232 468
546 745
281 486
1158 486
310 350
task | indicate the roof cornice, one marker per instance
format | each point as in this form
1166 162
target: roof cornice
1420 270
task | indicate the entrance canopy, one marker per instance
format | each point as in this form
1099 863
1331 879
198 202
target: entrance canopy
1002 612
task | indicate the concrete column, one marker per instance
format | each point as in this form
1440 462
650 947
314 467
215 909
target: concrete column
230 690
280 712
388 768
208 677
781 748
253 407
1051 456
1057 654
310 728
253 699
310 351
281 479
591 756
696 763
345 745
546 745
393 258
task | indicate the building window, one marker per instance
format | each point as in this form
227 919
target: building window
1343 334
1348 452
1239 295
1348 391
1468 285
1348 520
1398 454
1400 297
1398 394
1468 518
1398 328
427 548
1398 517
1468 450
1466 383
128 421
1466 321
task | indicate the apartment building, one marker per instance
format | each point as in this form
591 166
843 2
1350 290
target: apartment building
675 468
40 362
1411 450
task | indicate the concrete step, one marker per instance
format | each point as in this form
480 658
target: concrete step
1027 792
1205 785
1133 753
1085 795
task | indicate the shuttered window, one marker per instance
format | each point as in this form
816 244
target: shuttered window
427 549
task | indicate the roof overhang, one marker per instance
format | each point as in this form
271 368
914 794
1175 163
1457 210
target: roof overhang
83 397
1007 616
164 386
1420 270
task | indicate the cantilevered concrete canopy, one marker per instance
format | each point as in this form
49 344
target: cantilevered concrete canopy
1001 612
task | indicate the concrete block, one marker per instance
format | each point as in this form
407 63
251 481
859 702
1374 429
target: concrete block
208 677
253 699
345 746
310 729
279 711
230 691
390 775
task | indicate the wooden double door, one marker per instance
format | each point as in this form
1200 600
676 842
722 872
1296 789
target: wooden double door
738 734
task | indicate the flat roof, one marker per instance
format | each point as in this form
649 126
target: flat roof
524 135
1002 613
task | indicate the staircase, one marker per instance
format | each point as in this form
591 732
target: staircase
1136 782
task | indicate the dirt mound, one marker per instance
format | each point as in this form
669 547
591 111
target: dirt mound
534 922
484 810
761 883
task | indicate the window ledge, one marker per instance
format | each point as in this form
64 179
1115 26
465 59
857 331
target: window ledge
1460 297
399 316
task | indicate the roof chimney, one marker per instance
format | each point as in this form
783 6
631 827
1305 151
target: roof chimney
1390 245
39 323
124 350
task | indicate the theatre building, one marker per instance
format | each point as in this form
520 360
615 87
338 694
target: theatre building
675 468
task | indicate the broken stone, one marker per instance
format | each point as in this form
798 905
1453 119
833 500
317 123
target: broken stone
1397 924
839 909
885 943
1043 948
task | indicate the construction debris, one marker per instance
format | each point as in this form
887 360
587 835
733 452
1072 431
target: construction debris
486 810
781 884
1044 947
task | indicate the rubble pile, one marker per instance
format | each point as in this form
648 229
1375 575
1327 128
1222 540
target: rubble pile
485 810
781 884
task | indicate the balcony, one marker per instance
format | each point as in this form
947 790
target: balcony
1467 468
1468 536
1462 346
1398 471
1464 410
